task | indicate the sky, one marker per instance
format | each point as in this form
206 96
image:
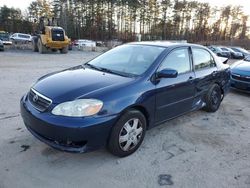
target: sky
23 4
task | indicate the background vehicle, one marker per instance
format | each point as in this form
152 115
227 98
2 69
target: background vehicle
5 37
219 52
240 78
50 37
241 50
113 99
1 45
234 55
21 37
84 43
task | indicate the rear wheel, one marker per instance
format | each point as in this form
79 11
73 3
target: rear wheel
128 133
34 46
64 50
213 98
41 48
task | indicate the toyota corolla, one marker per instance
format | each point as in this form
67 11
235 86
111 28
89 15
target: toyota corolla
113 99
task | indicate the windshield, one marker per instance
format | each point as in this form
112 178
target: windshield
247 58
242 50
4 36
225 49
127 59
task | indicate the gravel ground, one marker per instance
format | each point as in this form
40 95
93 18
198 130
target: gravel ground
196 150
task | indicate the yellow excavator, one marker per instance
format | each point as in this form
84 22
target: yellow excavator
50 37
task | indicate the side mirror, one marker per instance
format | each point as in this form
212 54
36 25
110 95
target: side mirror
167 73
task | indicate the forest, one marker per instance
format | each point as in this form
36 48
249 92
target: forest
125 19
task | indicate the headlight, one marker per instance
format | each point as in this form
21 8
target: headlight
78 108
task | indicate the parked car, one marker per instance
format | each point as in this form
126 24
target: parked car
84 43
5 37
240 78
233 54
21 37
1 45
113 99
241 50
100 43
219 52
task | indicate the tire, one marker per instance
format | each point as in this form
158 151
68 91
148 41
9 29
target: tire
127 134
70 47
213 98
41 48
34 46
64 50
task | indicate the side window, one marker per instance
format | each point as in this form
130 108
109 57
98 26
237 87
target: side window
178 60
212 49
202 59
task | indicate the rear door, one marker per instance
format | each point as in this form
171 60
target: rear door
174 96
206 72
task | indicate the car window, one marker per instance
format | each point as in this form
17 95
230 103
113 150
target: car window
211 48
178 60
202 59
23 36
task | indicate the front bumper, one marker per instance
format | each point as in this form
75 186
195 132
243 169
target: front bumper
7 42
240 85
64 133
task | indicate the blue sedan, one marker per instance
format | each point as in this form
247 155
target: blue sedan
240 78
113 99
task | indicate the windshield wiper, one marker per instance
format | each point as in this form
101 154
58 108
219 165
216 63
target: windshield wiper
93 67
124 74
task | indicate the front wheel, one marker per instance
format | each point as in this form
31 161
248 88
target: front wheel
213 98
128 133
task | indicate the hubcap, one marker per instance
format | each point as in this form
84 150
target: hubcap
215 97
130 134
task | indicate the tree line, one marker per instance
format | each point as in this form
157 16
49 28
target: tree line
124 19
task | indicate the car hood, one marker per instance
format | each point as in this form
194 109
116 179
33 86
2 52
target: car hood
241 67
76 82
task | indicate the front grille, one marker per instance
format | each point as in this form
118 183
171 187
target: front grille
39 101
241 78
57 35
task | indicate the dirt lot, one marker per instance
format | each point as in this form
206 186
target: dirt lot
197 150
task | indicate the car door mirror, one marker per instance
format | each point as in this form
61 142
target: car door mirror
167 73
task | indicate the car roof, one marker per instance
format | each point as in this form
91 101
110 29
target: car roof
165 44
21 34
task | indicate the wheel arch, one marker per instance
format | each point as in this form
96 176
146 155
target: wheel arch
139 108
221 88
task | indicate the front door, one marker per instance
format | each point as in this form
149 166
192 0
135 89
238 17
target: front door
174 96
